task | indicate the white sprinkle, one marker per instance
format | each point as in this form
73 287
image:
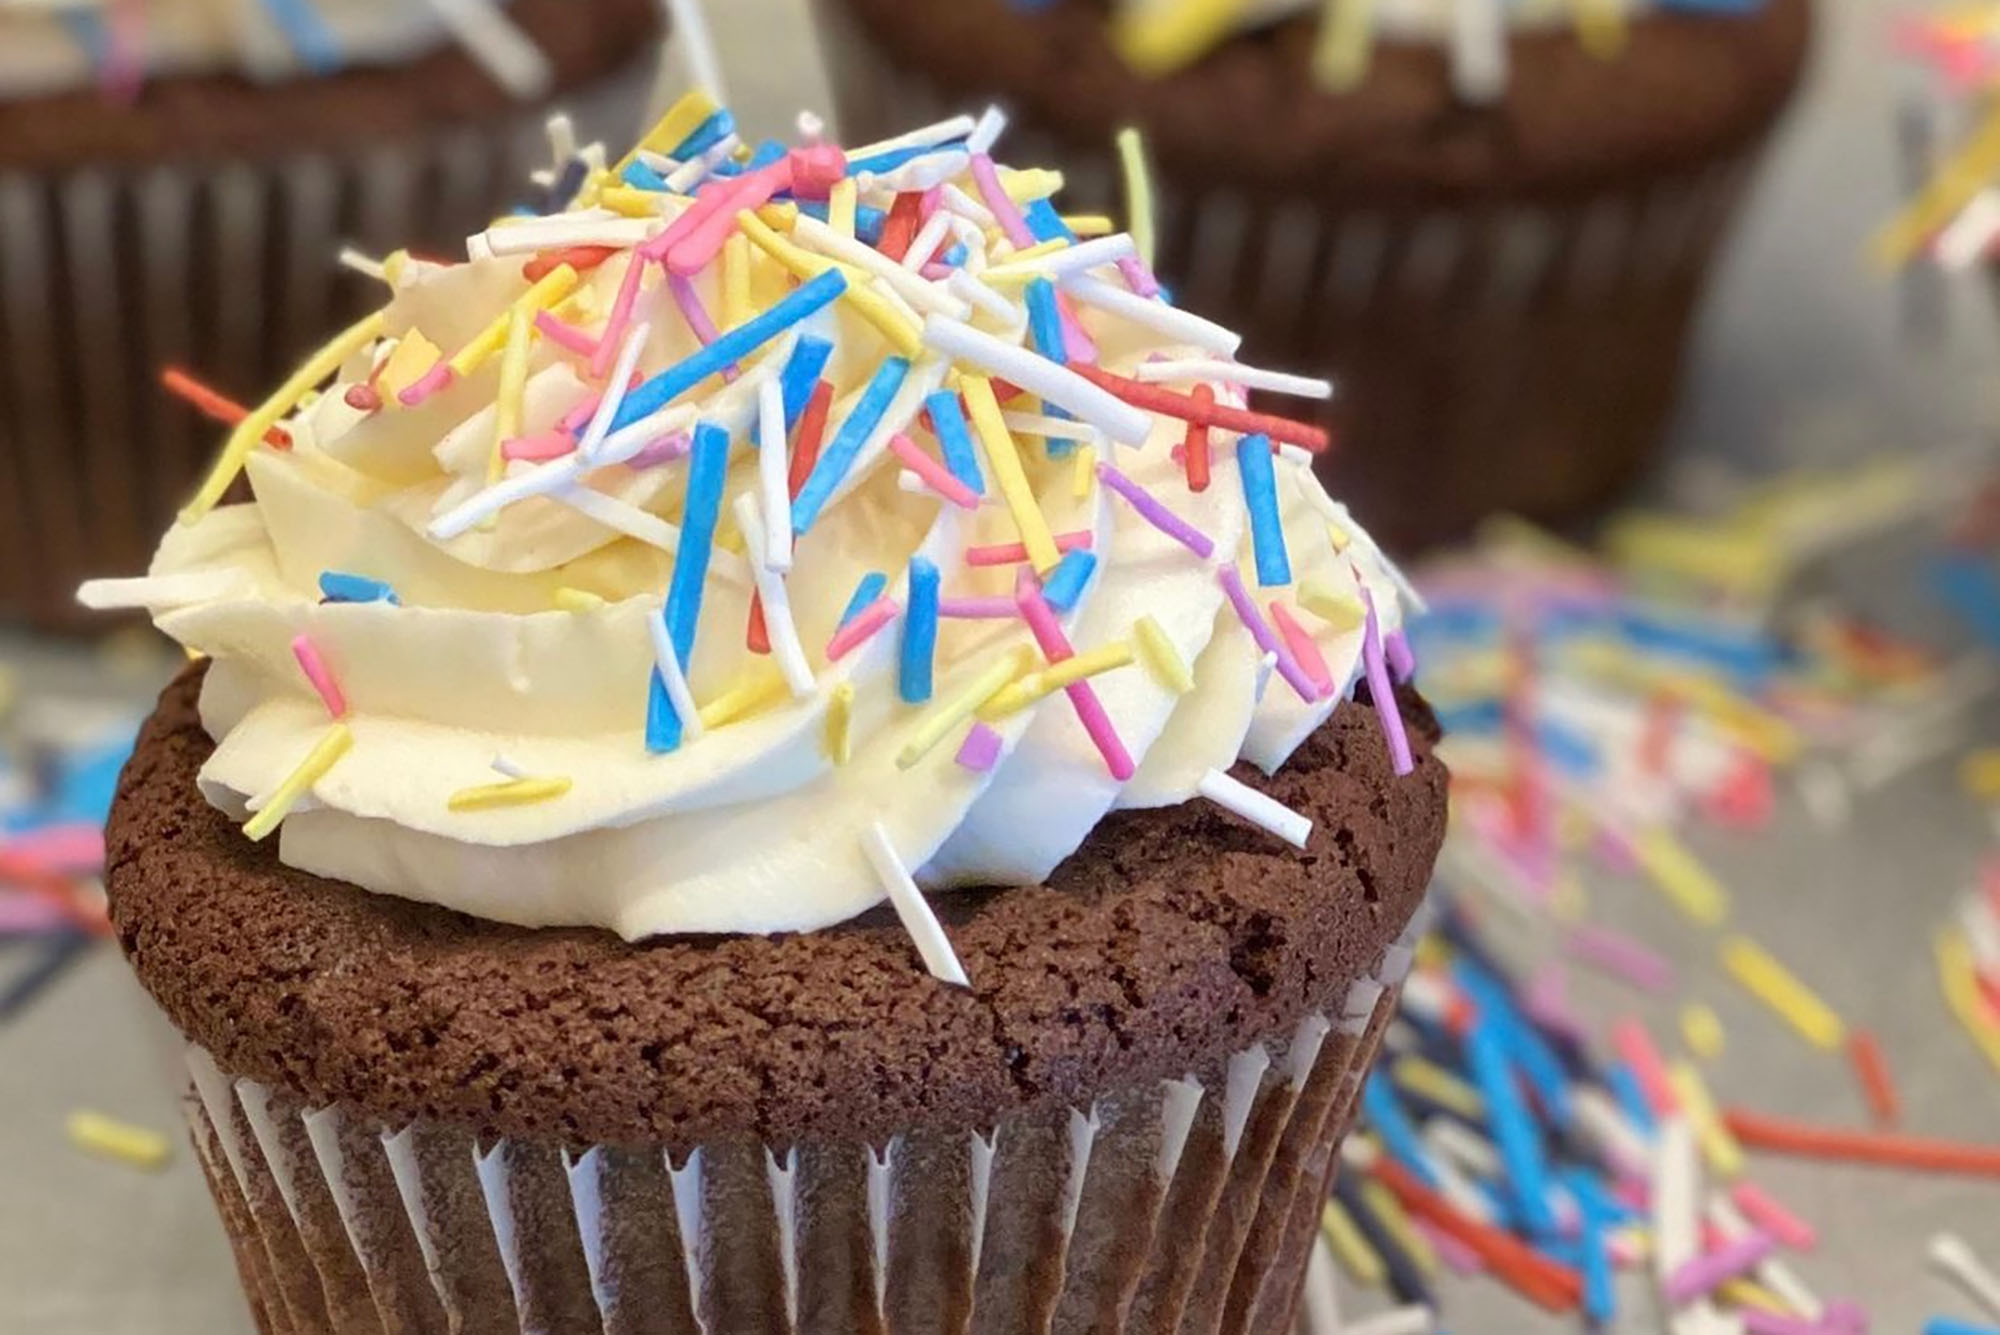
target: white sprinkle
1052 428
1953 1256
195 586
365 265
1479 44
1967 238
669 663
1322 1290
1038 375
684 178
1180 325
912 287
778 623
918 920
562 139
811 129
615 514
965 206
773 475
963 285
698 48
507 768
1250 377
1418 1320
1058 265
591 443
918 174
943 132
1265 667
926 242
1772 1272
633 437
1257 808
559 232
992 124
492 39
1676 1189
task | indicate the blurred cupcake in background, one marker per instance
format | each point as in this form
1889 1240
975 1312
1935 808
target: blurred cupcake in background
176 179
1491 221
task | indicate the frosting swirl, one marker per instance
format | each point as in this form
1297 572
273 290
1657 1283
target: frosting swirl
540 560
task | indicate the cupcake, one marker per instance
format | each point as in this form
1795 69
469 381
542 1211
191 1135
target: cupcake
175 179
775 754
1491 221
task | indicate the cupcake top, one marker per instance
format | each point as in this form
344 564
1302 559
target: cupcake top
755 536
57 46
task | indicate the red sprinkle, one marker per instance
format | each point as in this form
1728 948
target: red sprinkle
1553 1287
215 405
900 228
1759 1132
580 258
1873 1073
1154 399
1194 450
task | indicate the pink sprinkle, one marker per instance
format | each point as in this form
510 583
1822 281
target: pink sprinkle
815 169
25 915
665 450
1633 1043
1546 1000
863 625
937 272
565 335
1055 647
703 242
1763 1321
322 681
1013 553
1615 852
1620 956
1000 203
1461 1258
363 398
1138 277
980 750
1078 345
427 384
1627 1252
696 315
70 848
978 609
930 202
578 417
1731 1261
615 324
934 474
1760 1209
1383 691
1260 631
1303 648
1158 515
540 446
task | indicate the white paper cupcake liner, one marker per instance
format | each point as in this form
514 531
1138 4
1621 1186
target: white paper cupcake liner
1186 1205
225 268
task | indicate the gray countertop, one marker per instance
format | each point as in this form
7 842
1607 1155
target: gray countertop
1800 360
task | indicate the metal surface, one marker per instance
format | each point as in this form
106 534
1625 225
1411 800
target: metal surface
1800 360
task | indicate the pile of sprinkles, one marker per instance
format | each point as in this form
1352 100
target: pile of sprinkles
1597 704
972 286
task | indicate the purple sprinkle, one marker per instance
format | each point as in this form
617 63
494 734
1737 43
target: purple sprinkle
662 451
1138 277
23 914
1260 631
1620 956
696 315
1159 516
1735 1258
1402 662
1384 692
982 609
1002 206
980 750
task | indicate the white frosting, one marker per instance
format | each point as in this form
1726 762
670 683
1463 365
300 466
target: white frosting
41 54
751 826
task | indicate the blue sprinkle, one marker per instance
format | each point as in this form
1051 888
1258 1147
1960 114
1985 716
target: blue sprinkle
1968 586
866 592
706 136
920 624
730 348
1513 1130
1522 1041
88 31
642 177
896 157
337 586
801 374
767 152
1388 1120
1572 752
1045 321
1600 1297
868 221
1944 1325
562 192
955 440
84 783
1260 494
708 468
1746 655
1069 579
1484 716
311 40
1045 223
956 255
839 455
1631 1099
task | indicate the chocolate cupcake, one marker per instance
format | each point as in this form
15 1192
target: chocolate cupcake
176 178
811 790
1494 228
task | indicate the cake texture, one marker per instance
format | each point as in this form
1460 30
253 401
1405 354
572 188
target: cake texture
1501 283
195 223
777 749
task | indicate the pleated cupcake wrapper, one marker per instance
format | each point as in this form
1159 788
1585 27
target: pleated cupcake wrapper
1186 1205
1502 354
226 268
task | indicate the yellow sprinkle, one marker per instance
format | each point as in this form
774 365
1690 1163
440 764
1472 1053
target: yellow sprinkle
1951 188
1340 56
94 1133
1341 611
394 265
330 748
1388 1211
1702 1029
869 304
1680 877
1777 987
513 388
1138 192
1017 268
577 600
1163 660
1729 555
1430 1081
1003 461
1030 184
840 206
948 714
1600 27
1961 993
243 437
735 280
840 723
1083 472
1036 685
1161 38
1362 1263
1980 773
1089 225
741 700
413 356
683 118
1718 1147
595 183
1747 1293
1338 537
1432 952
781 215
513 793
631 202
551 288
